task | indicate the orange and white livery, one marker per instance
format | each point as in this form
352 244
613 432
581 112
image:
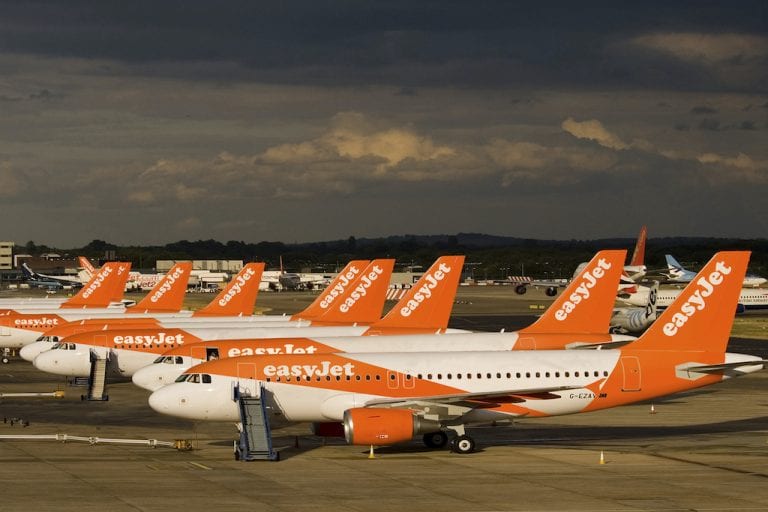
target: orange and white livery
134 348
386 398
578 318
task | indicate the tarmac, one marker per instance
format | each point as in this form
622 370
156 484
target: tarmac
703 450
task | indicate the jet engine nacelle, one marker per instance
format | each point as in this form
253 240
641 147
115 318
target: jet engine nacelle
384 426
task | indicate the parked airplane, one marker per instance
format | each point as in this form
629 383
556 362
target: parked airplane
50 282
577 319
635 320
426 308
633 272
232 317
282 280
388 398
749 298
676 273
99 294
22 328
636 269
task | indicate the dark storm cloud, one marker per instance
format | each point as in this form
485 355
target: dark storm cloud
152 121
398 42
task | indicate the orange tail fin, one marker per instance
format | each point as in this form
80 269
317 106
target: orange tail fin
239 296
105 285
587 303
428 304
701 317
86 264
168 294
334 291
638 256
365 297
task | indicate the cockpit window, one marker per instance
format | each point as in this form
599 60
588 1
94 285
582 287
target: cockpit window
182 377
206 378
179 360
158 360
195 377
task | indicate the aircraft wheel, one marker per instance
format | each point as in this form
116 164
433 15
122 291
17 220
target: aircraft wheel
551 291
521 289
463 444
436 439
6 360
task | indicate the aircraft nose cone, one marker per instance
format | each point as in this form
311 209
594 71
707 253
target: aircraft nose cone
149 378
30 352
162 400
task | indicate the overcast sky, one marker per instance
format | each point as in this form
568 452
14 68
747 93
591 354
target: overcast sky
153 121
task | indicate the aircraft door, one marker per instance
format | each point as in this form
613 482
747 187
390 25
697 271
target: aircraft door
197 352
247 379
632 375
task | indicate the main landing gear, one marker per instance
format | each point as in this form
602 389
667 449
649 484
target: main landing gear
462 443
436 439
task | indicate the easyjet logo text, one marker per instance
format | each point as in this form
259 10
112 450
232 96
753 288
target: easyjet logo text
149 340
167 285
236 286
339 287
97 281
323 369
36 322
361 290
697 300
590 279
424 292
287 348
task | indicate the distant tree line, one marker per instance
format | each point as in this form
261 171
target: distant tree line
487 256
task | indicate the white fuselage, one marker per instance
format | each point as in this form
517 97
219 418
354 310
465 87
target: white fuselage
312 395
166 369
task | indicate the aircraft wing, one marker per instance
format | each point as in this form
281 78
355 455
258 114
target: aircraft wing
458 404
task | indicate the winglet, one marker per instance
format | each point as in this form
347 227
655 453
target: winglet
701 317
335 290
638 256
365 297
239 296
587 303
104 286
429 303
168 293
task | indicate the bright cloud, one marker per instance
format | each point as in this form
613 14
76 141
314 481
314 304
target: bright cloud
707 48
